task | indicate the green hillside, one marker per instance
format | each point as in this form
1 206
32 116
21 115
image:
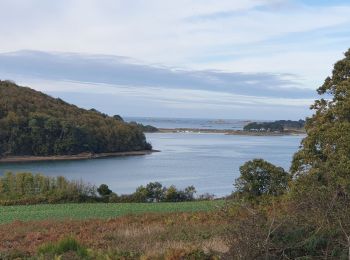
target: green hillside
32 123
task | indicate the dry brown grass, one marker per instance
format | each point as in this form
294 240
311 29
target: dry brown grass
149 235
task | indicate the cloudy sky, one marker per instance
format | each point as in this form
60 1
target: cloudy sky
243 59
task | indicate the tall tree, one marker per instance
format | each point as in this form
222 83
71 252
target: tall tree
325 152
259 177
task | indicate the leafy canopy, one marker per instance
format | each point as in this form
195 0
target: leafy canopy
104 190
32 123
259 177
326 149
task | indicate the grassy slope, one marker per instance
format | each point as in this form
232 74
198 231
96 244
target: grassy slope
98 210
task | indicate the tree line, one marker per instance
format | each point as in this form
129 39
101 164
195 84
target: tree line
28 188
275 126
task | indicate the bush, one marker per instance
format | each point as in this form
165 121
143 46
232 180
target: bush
27 188
66 245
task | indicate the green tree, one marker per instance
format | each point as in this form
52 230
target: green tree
140 195
312 222
259 177
189 193
171 194
155 191
321 167
326 149
104 190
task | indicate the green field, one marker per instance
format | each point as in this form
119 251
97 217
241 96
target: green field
99 210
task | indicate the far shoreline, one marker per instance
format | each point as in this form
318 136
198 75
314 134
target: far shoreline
81 156
89 156
231 132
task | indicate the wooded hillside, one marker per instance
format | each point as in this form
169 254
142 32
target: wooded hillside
32 123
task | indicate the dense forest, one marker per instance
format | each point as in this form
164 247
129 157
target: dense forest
275 126
32 123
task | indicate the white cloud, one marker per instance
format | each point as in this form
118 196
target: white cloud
184 98
157 31
121 71
252 36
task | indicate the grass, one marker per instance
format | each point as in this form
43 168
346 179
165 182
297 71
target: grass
65 245
150 235
99 210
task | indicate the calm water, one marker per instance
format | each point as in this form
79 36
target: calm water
210 162
223 124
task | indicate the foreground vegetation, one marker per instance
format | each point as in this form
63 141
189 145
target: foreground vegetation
32 123
309 218
148 236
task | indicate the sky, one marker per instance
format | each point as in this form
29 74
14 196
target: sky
237 59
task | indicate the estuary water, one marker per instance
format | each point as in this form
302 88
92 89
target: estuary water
197 123
210 162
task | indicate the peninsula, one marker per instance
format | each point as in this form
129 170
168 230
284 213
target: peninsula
35 126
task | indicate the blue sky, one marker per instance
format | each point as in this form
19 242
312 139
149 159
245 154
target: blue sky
253 59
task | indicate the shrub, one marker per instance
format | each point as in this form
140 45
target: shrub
63 246
26 188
